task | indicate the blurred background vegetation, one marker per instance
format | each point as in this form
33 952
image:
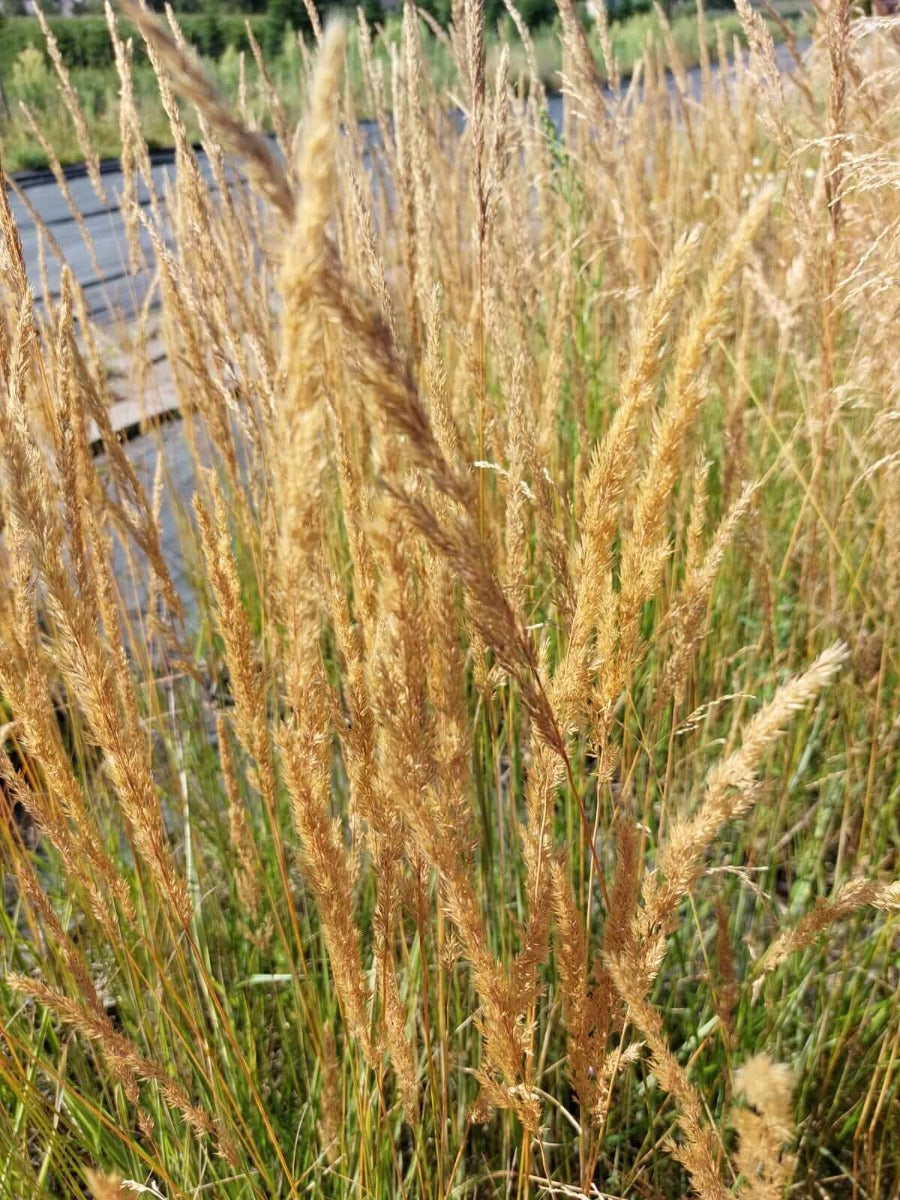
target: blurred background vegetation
220 31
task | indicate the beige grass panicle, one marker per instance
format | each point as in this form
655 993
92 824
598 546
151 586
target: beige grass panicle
516 735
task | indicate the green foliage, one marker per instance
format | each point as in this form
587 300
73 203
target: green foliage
85 42
538 12
293 13
31 76
439 9
286 12
373 11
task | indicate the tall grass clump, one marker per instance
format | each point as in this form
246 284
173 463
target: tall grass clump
482 777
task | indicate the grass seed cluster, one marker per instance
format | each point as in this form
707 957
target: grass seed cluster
501 796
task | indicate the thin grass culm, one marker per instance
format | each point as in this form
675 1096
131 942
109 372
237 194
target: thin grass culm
449 660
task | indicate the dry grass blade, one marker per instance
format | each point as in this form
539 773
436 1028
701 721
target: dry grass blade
263 167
